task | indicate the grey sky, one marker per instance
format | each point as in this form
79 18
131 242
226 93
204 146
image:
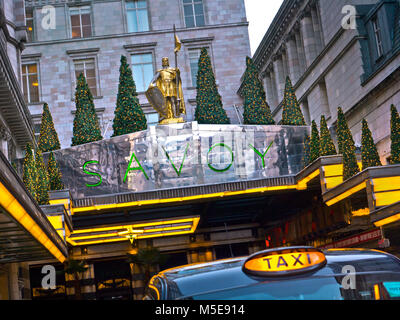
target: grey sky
260 14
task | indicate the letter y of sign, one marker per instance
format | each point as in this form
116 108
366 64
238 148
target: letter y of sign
261 155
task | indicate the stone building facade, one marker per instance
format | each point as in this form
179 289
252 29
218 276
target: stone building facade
23 226
337 53
91 36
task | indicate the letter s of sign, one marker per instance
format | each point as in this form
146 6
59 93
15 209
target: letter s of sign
49 280
49 20
92 173
349 280
349 20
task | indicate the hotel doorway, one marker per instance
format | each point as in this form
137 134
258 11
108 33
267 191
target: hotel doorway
113 280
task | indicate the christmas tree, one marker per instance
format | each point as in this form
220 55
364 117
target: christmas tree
256 108
291 114
42 180
369 153
29 171
86 124
346 147
209 109
129 116
395 135
326 145
48 138
314 143
55 177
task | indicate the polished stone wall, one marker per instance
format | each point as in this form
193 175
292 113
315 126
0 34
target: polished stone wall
179 155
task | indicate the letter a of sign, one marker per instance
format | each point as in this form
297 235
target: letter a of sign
178 172
134 168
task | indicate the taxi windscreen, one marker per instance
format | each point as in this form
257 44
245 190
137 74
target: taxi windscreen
368 286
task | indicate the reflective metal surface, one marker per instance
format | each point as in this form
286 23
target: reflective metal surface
178 155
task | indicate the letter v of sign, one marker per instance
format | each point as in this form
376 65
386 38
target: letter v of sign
178 172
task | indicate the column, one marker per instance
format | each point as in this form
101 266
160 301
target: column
274 91
13 287
285 64
300 52
323 99
293 59
307 33
280 78
88 287
319 45
269 88
5 136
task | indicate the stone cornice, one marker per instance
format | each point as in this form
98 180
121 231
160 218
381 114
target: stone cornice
195 40
277 30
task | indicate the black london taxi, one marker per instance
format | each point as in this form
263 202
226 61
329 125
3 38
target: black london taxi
288 273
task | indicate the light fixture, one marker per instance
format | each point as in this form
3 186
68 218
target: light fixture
131 234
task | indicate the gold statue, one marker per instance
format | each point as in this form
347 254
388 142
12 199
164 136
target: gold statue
165 94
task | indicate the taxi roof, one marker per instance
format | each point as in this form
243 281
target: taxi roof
195 279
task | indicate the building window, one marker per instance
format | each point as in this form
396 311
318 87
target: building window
194 13
36 128
194 55
378 37
142 69
152 118
87 67
81 25
29 24
30 81
137 17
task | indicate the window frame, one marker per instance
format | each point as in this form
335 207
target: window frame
193 78
86 60
24 64
80 8
193 44
194 13
31 34
131 64
136 14
377 33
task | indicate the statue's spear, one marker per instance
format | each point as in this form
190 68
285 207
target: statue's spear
176 50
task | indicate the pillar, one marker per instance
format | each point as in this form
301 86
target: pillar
269 89
300 52
307 32
293 59
279 77
319 45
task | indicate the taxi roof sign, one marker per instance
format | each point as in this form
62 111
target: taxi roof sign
284 261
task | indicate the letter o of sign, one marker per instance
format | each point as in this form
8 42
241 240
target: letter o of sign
224 146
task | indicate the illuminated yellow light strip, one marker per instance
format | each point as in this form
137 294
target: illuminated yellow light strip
360 212
180 199
386 184
388 220
124 239
140 236
13 207
138 225
346 194
386 198
302 184
337 169
114 234
333 170
376 292
332 182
